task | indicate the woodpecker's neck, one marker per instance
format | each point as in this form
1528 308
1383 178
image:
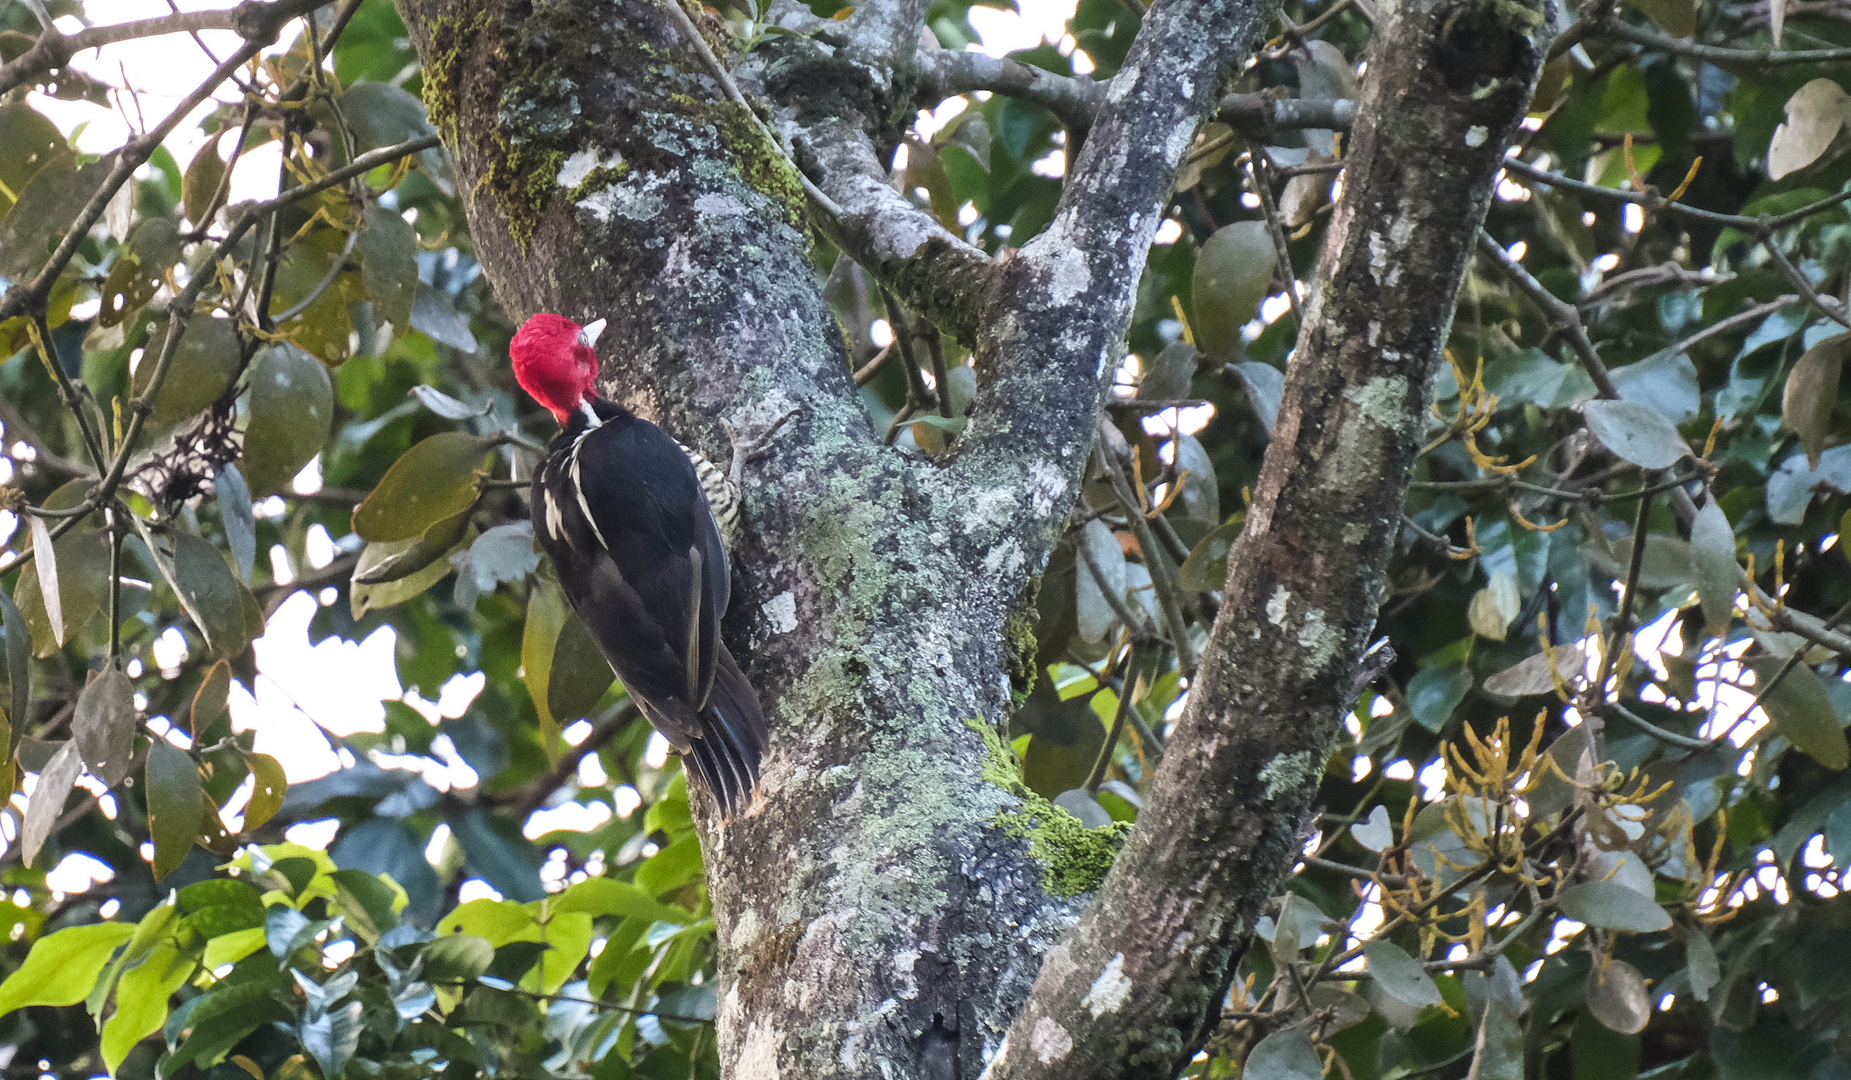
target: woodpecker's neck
593 412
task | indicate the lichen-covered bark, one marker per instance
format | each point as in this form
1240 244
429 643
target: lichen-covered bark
874 916
1134 988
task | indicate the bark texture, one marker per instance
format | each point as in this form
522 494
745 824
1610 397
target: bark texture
1139 982
879 911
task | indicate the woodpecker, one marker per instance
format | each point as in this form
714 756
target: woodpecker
637 526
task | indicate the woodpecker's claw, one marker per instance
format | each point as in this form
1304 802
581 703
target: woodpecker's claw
750 446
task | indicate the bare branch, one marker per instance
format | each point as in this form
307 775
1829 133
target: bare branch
1719 54
255 22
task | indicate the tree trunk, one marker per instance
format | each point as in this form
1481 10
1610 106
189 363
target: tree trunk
879 910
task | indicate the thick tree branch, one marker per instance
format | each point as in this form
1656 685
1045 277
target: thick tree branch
1056 318
1149 962
902 244
945 74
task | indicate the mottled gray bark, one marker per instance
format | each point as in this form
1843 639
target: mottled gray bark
1141 978
874 919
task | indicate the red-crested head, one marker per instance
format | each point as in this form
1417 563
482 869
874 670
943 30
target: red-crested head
554 361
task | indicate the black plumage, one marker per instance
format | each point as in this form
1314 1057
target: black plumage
620 509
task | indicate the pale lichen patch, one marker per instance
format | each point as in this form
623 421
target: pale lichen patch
1276 607
1109 990
1319 639
1068 275
1049 1041
1475 136
1287 771
758 1052
781 612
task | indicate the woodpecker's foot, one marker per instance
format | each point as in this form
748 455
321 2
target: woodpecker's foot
749 444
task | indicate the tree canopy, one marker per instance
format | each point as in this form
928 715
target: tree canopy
1584 810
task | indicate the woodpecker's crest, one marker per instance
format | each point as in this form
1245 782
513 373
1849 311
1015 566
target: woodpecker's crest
554 361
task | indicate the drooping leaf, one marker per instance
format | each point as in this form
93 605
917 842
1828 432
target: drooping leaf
1701 968
1265 386
1233 272
174 801
444 405
268 789
56 780
1170 373
1101 575
1618 997
234 499
579 674
291 410
141 1001
1206 568
1811 393
1802 711
1435 692
434 480
46 563
1638 433
203 189
1531 675
434 315
1815 114
211 699
388 248
1200 496
103 725
18 658
1713 566
209 591
203 365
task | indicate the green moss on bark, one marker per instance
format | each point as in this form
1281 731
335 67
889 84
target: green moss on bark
1074 859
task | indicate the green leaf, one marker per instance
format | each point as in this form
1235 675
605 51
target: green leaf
1233 273
1803 713
1494 606
436 479
1400 975
1838 835
579 674
175 799
1206 568
1433 694
1675 17
605 896
219 906
203 189
1284 1055
398 559
47 205
1612 905
209 592
142 998
269 787
332 1037
210 1025
1264 385
1170 373
142 266
546 615
1531 675
1498 1051
1200 496
457 958
103 726
1637 433
433 315
1701 968
211 699
62 968
291 412
18 670
371 905
388 248
1618 998
234 499
56 780
495 850
1098 548
82 554
1375 832
1713 566
1811 394
46 563
31 142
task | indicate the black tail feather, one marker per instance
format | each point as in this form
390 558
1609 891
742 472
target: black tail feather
732 738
